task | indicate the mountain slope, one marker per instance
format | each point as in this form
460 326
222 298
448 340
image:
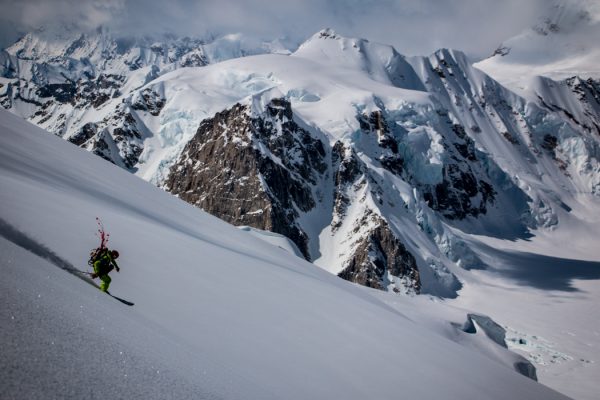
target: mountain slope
218 314
65 81
561 45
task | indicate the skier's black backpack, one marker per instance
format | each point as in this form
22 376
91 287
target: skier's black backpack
96 254
101 254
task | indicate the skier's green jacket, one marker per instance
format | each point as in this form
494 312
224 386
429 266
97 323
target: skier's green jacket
103 265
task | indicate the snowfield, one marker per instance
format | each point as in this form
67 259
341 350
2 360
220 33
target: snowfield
557 47
219 313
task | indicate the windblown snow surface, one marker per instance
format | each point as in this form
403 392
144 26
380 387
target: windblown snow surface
218 312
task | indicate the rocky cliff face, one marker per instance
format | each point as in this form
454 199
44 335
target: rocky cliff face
574 147
459 192
374 256
83 87
86 70
380 259
117 138
257 169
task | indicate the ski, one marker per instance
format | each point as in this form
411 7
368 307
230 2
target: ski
86 277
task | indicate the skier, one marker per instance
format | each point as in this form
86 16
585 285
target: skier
103 264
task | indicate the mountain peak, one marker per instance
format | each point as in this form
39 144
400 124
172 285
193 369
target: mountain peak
559 46
451 56
326 33
380 61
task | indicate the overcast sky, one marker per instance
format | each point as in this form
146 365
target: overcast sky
412 26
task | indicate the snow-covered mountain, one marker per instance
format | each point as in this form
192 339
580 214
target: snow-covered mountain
57 79
563 44
218 313
371 162
410 175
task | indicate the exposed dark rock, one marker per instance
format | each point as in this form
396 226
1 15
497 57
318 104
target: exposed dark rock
379 253
440 72
121 130
127 137
328 34
148 100
97 91
465 150
375 124
459 130
588 93
62 92
102 145
194 59
84 134
77 44
394 164
6 96
158 49
255 170
467 147
347 168
588 90
510 137
501 51
463 191
453 196
550 143
5 102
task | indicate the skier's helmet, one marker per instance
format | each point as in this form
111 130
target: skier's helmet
114 254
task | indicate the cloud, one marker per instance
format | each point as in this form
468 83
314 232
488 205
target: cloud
32 14
414 27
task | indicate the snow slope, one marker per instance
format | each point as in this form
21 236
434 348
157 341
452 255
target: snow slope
562 45
218 313
274 239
